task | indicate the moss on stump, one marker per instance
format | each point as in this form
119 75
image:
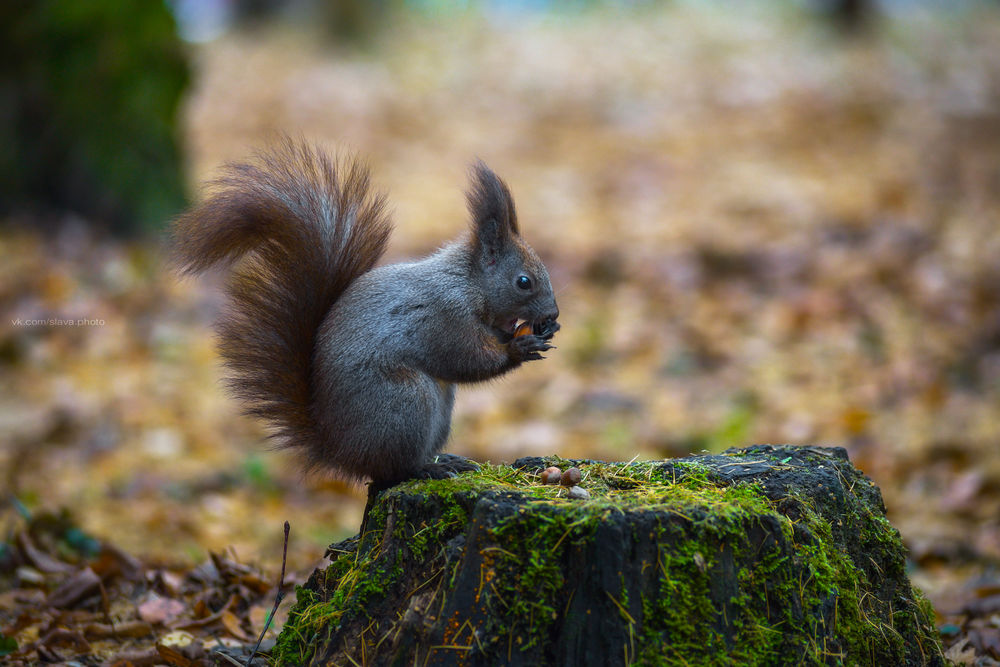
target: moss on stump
759 556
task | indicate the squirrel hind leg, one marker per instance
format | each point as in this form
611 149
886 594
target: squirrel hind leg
441 466
446 465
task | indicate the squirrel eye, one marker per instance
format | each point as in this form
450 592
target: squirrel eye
524 282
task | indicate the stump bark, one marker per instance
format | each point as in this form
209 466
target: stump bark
759 556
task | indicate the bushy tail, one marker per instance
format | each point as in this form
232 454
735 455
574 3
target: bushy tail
298 228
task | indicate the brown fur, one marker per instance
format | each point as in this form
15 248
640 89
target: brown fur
288 272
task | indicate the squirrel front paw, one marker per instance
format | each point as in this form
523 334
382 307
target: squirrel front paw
528 347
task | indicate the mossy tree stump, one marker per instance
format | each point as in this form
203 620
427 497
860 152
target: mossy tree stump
759 556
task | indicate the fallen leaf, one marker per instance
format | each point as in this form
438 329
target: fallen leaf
986 640
47 654
170 583
183 653
79 586
14 598
30 575
256 583
963 491
233 626
982 606
142 658
160 610
207 620
230 642
112 561
172 656
176 638
64 637
41 560
961 653
131 629
205 574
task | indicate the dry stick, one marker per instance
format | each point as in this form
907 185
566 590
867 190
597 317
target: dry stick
230 659
277 598
106 607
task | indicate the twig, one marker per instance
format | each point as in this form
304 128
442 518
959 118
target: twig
277 598
230 658
106 607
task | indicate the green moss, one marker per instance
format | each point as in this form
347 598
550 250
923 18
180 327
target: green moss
526 575
358 580
730 576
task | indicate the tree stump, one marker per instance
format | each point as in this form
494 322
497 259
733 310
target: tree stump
758 556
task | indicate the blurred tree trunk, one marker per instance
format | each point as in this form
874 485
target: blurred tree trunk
851 16
89 99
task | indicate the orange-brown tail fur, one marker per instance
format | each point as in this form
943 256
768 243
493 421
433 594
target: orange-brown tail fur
298 227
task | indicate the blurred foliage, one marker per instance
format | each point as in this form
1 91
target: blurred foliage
344 23
89 97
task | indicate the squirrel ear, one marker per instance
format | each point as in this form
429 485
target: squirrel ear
494 221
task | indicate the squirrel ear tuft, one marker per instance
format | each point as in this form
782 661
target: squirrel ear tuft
494 220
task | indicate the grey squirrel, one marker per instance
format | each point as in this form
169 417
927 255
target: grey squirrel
352 364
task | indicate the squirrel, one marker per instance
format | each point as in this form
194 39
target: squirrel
356 365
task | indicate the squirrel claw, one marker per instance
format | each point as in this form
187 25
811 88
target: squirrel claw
433 471
456 463
445 466
527 348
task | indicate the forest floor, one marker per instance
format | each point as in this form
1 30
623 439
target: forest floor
759 232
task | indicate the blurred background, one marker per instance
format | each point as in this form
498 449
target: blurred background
766 222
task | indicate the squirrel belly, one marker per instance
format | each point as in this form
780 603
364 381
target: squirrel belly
357 366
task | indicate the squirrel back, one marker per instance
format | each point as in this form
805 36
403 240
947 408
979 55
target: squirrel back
357 365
